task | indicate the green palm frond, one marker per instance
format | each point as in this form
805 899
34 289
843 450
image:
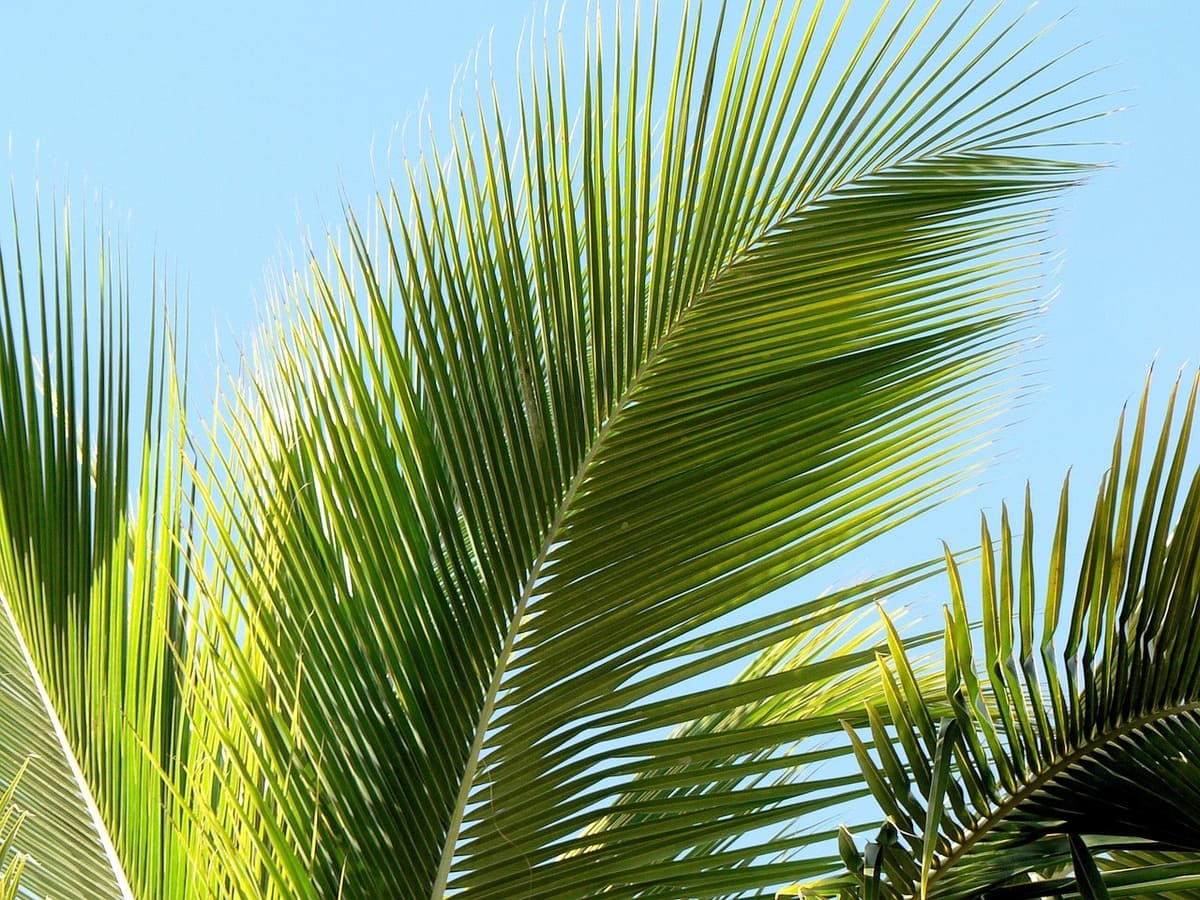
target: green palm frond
503 472
1076 760
492 503
92 507
781 740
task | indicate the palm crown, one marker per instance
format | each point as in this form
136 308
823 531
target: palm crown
503 478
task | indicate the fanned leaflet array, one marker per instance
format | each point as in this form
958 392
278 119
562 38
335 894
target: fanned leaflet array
91 632
508 465
497 489
1067 761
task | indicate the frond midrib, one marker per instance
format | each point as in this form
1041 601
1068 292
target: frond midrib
85 792
548 543
989 822
564 507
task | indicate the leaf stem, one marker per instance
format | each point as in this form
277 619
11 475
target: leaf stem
85 791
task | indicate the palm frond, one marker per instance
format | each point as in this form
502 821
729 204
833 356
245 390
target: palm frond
92 507
504 468
1082 759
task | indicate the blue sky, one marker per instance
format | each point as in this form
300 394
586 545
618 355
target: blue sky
218 134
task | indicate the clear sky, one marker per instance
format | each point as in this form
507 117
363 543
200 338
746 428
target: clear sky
219 133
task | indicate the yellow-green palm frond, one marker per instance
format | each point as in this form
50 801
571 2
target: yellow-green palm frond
504 468
92 509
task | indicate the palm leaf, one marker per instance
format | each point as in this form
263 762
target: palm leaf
1080 759
91 510
503 476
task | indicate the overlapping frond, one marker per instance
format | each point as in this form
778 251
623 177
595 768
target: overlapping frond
91 510
504 468
1070 752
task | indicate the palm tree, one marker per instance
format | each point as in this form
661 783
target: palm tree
432 604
